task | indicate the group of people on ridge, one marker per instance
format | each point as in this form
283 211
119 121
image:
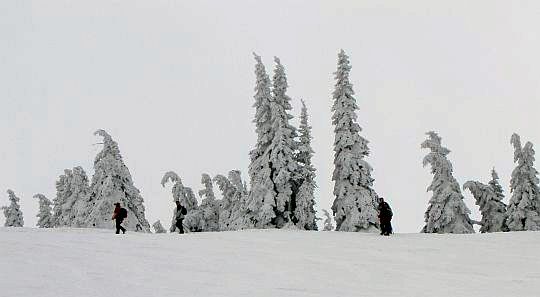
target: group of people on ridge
120 213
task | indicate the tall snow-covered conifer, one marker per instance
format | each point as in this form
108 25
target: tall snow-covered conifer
45 212
447 212
263 114
355 204
13 213
112 183
524 205
273 169
489 199
282 150
304 211
209 205
260 203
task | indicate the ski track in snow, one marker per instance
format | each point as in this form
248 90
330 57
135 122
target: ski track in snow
89 262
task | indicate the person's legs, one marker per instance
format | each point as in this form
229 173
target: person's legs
180 226
119 227
387 228
383 227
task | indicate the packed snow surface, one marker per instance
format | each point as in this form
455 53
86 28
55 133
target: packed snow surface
88 262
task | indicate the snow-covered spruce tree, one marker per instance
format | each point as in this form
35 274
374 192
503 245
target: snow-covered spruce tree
71 201
328 226
78 200
261 202
193 220
62 193
489 199
304 210
158 228
233 213
44 216
263 114
209 205
355 204
524 206
13 213
447 212
282 151
112 183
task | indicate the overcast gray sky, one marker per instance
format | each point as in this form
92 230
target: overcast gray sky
172 82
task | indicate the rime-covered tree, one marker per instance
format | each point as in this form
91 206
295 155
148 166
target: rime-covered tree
44 216
447 212
328 226
112 183
489 199
495 185
273 165
233 212
282 151
71 205
355 204
78 201
193 220
263 114
176 190
209 205
261 202
304 210
158 228
524 206
62 193
13 213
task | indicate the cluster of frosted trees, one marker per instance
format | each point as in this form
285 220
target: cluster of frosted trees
81 204
212 214
447 212
282 179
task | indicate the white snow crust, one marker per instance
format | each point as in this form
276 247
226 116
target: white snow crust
96 262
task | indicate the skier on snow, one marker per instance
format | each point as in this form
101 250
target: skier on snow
179 216
385 217
119 215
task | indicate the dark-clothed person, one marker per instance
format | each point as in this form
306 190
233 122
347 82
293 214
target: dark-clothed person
385 217
119 215
181 211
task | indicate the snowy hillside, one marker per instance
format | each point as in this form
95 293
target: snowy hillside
86 262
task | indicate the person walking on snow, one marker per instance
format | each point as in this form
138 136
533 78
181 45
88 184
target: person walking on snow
119 215
179 216
385 217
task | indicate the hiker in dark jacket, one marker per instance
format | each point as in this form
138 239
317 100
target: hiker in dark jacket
119 215
179 217
385 217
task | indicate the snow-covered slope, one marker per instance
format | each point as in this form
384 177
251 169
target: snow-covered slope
86 262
